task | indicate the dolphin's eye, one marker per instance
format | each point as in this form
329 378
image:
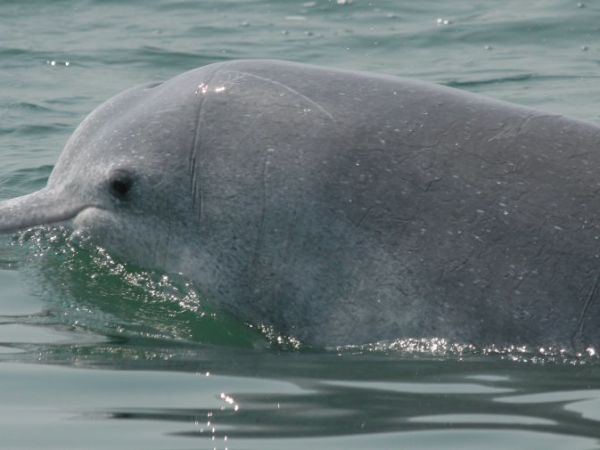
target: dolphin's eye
121 183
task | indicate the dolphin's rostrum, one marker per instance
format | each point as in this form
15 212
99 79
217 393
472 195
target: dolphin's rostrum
342 207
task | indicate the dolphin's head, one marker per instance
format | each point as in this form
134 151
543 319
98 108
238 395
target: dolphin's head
123 176
205 174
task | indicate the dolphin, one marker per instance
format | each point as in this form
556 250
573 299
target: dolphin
342 207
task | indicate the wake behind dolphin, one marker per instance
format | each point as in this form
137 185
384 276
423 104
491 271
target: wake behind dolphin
343 207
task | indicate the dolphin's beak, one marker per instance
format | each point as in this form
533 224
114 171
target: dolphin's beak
42 207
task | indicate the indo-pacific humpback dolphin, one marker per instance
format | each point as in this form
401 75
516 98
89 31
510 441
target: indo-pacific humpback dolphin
343 207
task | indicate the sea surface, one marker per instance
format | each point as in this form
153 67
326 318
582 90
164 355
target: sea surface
95 354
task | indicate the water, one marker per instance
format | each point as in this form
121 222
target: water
96 354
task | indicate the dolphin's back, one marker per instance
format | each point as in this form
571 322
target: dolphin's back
384 207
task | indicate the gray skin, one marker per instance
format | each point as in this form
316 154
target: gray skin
343 207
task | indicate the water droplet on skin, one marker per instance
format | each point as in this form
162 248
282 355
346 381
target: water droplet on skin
584 48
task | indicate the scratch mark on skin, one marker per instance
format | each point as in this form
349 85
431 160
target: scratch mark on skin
253 272
194 163
365 215
167 242
195 183
157 254
593 294
292 90
511 131
260 237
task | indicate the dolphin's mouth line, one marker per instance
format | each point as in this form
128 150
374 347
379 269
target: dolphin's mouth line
68 219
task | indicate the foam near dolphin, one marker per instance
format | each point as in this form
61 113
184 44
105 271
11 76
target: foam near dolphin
343 207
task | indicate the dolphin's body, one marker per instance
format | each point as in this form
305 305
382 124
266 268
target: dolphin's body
343 207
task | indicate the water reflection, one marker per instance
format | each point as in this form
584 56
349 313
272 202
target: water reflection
139 355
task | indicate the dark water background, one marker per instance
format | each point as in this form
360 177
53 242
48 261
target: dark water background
95 354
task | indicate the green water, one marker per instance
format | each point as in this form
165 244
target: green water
95 354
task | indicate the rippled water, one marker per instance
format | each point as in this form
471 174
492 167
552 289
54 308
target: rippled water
97 354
